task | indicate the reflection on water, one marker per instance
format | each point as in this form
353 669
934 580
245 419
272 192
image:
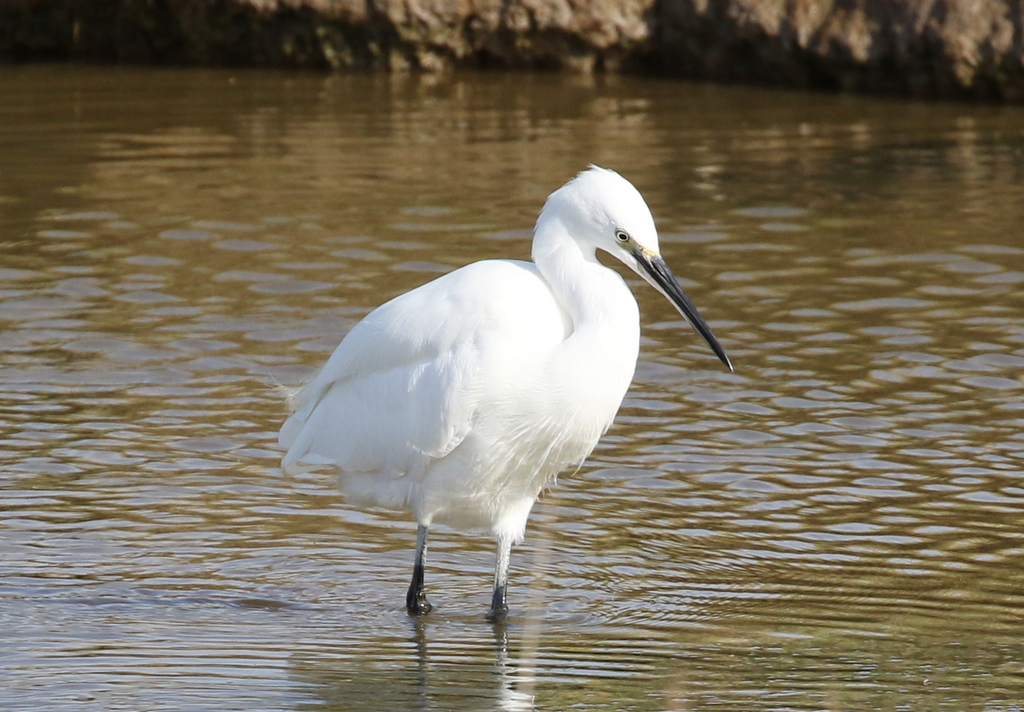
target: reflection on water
838 525
427 670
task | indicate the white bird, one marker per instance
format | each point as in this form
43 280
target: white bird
461 400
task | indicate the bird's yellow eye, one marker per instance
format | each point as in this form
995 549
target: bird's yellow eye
621 236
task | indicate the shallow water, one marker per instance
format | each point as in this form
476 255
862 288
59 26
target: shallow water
838 525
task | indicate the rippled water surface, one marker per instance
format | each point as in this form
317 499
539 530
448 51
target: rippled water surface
839 525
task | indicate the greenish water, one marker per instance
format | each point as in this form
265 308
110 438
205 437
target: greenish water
838 525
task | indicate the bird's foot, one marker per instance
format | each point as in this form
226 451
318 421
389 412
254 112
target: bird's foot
498 616
417 604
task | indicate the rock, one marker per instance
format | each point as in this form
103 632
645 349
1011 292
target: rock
953 48
948 48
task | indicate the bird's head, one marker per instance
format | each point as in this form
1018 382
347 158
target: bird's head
604 211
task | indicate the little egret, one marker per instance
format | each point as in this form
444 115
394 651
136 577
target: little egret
461 400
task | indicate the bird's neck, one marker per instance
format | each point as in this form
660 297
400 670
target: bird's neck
589 293
592 368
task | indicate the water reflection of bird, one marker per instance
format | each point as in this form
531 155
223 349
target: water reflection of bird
462 399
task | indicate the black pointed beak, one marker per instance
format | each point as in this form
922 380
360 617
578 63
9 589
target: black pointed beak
657 273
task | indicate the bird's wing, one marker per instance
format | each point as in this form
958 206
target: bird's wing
401 389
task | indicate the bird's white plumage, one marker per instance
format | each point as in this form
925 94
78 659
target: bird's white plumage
462 399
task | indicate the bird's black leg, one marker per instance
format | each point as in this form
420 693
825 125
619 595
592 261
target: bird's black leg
499 608
416 599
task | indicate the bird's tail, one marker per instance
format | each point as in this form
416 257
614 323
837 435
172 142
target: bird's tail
292 429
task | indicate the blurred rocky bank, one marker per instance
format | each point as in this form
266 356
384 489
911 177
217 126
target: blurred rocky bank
937 48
